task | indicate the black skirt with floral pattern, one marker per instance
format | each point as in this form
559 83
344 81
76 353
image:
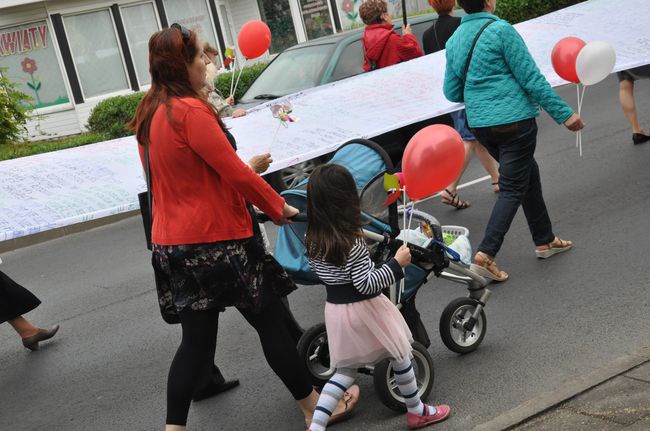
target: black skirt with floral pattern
216 275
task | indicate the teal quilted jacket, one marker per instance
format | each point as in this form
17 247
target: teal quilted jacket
503 84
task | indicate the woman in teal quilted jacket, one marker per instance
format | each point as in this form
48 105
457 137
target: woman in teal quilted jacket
503 92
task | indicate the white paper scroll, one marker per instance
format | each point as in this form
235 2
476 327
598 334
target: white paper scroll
70 186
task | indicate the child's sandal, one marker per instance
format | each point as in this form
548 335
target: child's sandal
487 268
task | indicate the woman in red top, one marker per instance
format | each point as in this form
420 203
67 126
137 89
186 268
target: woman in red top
205 256
381 45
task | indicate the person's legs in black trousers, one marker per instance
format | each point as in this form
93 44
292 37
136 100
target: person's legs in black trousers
513 146
279 347
191 362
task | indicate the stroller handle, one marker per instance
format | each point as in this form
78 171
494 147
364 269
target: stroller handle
263 218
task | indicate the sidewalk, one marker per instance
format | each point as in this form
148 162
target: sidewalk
616 397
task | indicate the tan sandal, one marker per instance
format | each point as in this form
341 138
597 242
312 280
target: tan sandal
487 268
554 247
453 200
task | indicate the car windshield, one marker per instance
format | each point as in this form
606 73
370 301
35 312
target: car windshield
291 71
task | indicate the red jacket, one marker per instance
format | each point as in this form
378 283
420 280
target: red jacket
384 47
200 185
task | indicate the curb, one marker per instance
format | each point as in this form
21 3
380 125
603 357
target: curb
569 389
37 238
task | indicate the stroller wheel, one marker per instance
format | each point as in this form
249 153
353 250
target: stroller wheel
386 386
456 328
314 351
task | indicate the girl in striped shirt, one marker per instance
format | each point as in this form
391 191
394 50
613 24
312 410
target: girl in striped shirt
363 326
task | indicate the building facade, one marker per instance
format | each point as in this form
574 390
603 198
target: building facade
69 55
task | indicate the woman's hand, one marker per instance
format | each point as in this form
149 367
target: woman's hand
230 100
407 29
574 123
260 163
403 256
287 212
238 113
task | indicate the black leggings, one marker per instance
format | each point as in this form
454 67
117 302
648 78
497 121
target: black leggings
195 355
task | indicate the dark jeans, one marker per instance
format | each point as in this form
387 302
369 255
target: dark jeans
513 146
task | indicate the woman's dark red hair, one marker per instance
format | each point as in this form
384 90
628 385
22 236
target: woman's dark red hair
169 55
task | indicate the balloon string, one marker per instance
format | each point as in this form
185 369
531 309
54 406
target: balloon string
233 68
406 240
241 69
581 98
275 135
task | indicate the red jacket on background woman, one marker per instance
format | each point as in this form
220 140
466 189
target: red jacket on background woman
384 47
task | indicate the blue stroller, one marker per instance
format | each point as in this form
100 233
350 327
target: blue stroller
462 324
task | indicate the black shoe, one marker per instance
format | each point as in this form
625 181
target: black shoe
640 138
43 334
213 389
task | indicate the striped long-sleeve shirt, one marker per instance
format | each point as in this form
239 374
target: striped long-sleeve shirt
358 271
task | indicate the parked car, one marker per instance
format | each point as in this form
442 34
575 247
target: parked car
317 62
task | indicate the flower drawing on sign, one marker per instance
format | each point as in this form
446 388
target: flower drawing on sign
29 67
348 7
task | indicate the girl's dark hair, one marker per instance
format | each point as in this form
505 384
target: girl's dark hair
170 51
334 214
472 6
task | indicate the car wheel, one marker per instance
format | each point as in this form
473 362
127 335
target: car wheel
291 176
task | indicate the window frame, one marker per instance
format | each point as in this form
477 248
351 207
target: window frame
126 90
64 77
126 34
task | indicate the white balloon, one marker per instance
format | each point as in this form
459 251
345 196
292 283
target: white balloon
595 61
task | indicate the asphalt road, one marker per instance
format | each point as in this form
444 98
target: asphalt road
552 321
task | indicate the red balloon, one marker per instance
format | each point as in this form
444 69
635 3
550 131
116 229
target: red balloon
432 160
564 55
254 39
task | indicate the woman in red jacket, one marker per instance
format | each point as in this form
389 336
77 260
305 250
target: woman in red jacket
205 256
381 45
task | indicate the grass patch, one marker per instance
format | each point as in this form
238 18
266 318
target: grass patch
14 151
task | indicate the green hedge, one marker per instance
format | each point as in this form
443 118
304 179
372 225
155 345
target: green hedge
515 11
222 83
111 116
39 147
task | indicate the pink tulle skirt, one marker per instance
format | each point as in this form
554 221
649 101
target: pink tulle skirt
365 332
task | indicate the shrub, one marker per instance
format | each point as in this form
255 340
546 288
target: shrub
222 83
111 116
515 11
14 111
30 148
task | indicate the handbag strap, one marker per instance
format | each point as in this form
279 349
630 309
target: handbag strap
435 34
148 173
471 51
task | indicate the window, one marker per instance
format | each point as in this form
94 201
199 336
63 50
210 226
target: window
27 52
277 15
226 25
317 18
292 71
350 62
96 53
194 15
140 23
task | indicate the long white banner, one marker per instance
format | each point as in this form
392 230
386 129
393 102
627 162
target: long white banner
52 190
